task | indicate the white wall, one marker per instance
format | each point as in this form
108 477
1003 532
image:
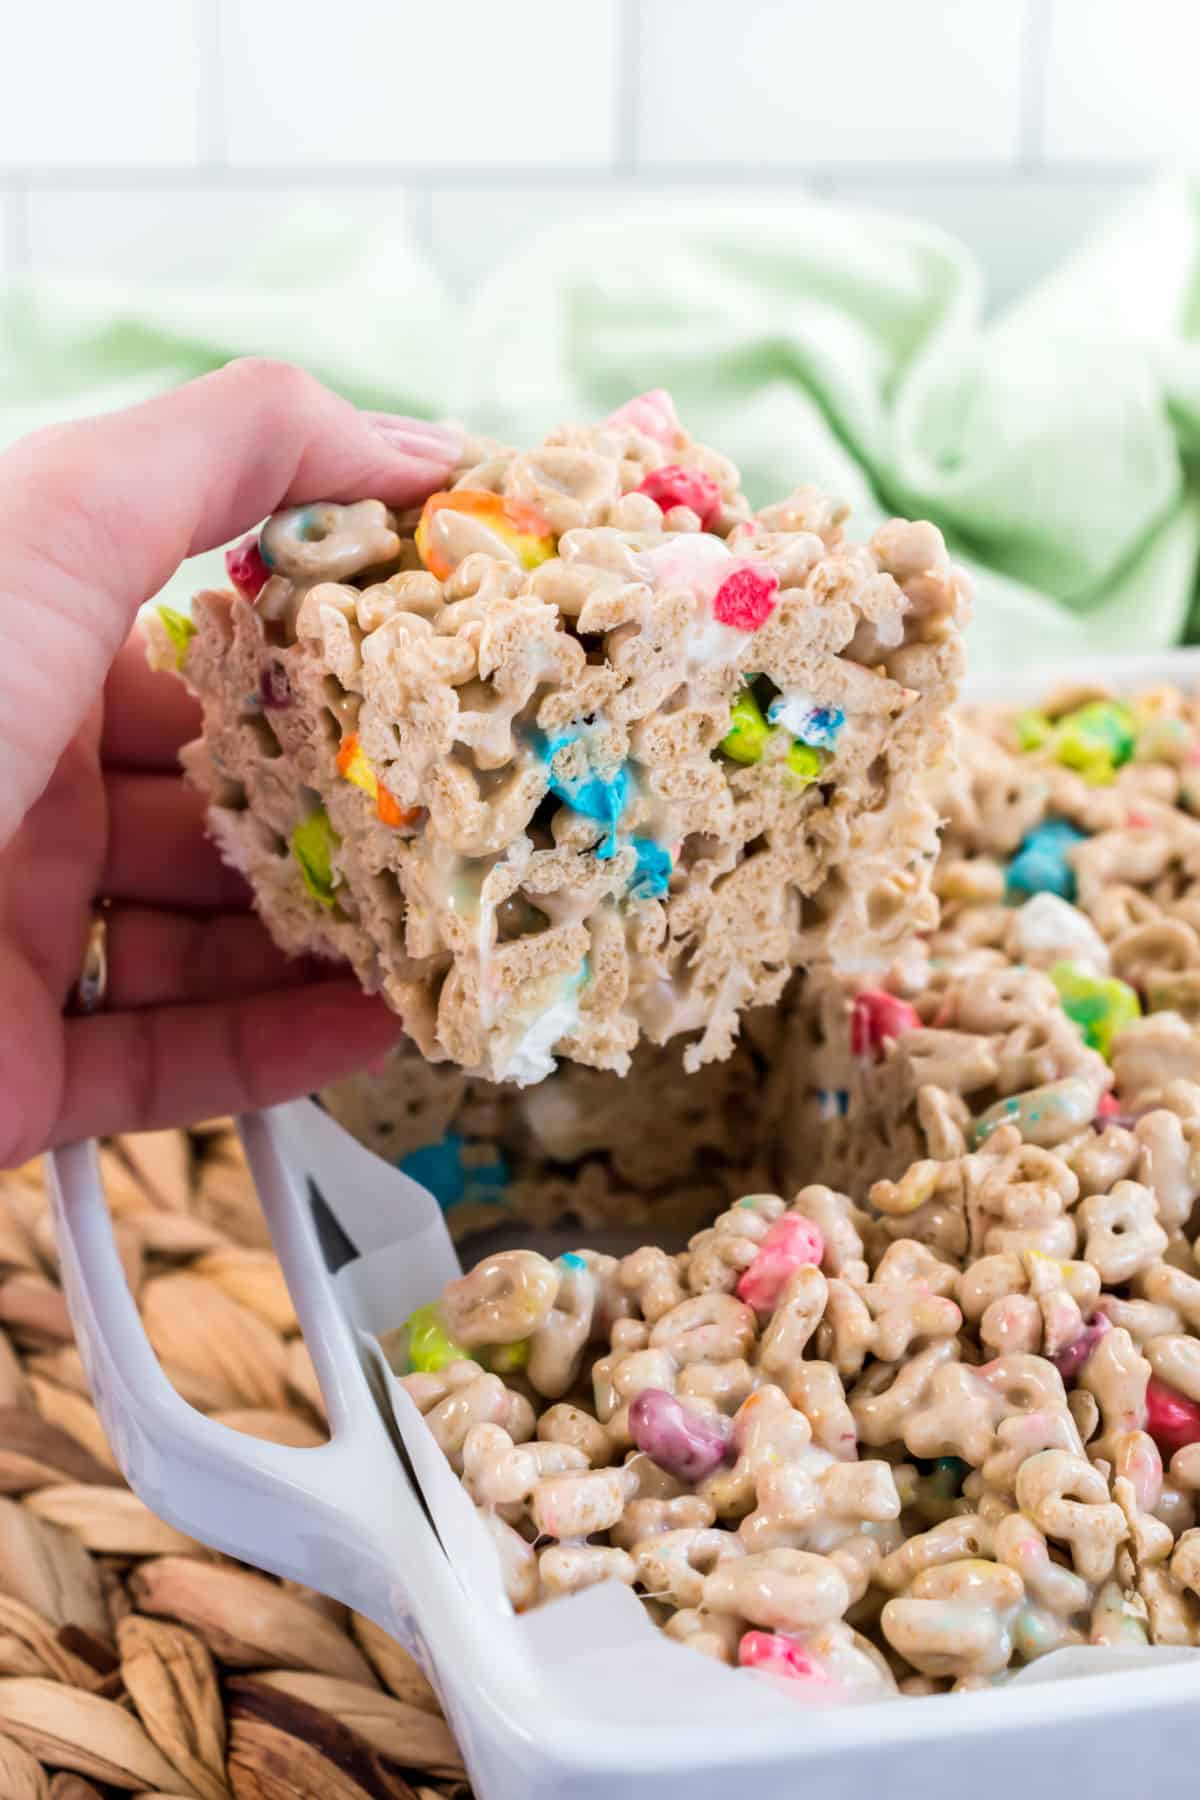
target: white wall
151 137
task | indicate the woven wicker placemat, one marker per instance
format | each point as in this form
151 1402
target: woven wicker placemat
133 1660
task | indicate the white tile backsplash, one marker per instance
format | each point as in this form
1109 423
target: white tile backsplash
1121 80
1017 231
111 82
473 230
423 82
201 235
167 140
830 81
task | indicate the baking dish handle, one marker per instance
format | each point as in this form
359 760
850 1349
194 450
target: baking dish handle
329 1517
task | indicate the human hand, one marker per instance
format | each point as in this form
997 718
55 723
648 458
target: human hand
202 1013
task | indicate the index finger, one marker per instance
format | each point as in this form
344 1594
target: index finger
102 512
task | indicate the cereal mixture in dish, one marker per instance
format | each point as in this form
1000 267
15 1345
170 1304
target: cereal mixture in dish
912 1430
586 752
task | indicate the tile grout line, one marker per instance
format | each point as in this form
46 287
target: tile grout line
627 92
1035 75
420 218
49 177
207 38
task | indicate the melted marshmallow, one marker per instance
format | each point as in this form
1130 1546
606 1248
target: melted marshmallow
698 562
1048 929
695 560
807 718
531 1060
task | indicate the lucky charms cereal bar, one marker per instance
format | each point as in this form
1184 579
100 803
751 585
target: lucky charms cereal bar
656 1147
912 1435
585 753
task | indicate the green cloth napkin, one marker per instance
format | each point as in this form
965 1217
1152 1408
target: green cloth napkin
1057 446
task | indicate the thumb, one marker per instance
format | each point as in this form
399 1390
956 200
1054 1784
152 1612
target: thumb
104 510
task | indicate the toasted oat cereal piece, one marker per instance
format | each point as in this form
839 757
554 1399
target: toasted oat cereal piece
583 754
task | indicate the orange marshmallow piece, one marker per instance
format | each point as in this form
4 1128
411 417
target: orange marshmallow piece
355 766
465 520
390 811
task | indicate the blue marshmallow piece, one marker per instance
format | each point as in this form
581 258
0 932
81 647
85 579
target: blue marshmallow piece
1040 865
652 874
819 728
603 801
440 1168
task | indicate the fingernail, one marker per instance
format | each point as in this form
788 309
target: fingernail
418 434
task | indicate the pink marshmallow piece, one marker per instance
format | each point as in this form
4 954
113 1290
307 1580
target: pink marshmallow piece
1171 1418
791 1243
653 414
777 1655
246 568
672 486
747 597
877 1016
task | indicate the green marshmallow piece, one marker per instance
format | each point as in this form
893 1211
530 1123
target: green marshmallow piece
804 761
179 629
1081 753
1096 740
1111 724
1032 729
506 1359
748 731
430 1347
313 844
1100 1005
749 734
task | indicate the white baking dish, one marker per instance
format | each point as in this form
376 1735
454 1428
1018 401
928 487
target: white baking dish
582 1698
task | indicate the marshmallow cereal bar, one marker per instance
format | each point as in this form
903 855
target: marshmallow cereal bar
656 1147
585 753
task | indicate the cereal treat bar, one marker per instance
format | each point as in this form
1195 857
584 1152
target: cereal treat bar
657 1146
586 752
925 1063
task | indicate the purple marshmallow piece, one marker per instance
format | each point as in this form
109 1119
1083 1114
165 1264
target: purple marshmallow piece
685 1444
274 687
1068 1362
